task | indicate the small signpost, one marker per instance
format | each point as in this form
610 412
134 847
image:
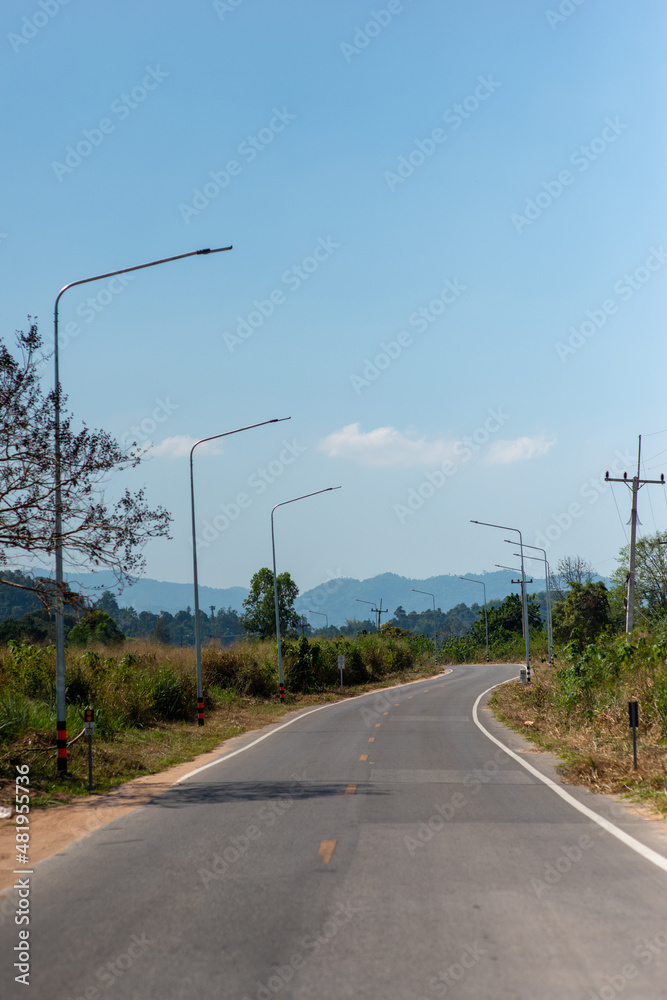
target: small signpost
89 729
341 667
633 712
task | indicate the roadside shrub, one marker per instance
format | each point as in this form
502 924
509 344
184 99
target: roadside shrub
15 715
31 670
95 627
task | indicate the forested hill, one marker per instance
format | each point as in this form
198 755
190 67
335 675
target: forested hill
341 599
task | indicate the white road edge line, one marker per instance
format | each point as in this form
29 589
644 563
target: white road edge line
229 756
625 838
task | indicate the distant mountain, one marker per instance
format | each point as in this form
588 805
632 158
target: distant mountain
336 598
157 595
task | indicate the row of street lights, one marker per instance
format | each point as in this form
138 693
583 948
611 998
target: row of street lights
61 703
524 598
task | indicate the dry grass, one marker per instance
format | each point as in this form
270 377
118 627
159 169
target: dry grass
595 743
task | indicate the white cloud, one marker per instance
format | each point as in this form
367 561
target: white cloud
385 447
179 446
519 450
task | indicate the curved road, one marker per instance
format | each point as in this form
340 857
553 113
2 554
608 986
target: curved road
382 848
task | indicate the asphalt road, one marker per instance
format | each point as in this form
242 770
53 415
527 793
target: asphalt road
382 848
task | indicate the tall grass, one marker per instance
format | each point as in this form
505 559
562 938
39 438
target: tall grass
141 684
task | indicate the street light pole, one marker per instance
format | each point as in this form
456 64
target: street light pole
435 633
547 582
275 579
214 437
486 620
61 703
323 613
372 604
504 527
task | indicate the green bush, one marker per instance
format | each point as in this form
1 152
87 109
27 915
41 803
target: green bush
31 670
95 627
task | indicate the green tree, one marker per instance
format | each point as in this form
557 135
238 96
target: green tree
650 575
260 615
583 615
96 626
506 621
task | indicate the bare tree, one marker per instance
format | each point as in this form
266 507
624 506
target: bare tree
571 569
94 533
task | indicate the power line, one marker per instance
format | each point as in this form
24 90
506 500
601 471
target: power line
619 514
650 502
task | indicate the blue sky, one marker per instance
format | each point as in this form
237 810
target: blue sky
449 267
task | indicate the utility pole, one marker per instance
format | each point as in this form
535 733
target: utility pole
379 612
635 485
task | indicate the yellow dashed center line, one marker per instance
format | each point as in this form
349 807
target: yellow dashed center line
364 756
350 790
327 847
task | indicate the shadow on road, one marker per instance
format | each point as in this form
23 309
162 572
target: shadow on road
255 791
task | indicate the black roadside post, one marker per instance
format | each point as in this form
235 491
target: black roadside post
633 711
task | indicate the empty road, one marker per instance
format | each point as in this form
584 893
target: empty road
382 848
